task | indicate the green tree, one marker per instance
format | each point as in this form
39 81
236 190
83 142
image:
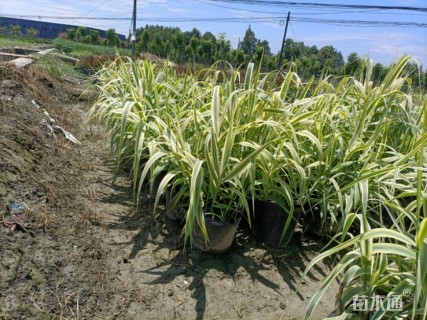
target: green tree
238 57
33 32
93 36
330 59
112 37
144 41
194 33
265 45
293 50
179 45
3 29
81 33
353 64
248 44
207 48
262 50
194 44
71 33
157 46
188 52
223 47
209 37
378 73
15 29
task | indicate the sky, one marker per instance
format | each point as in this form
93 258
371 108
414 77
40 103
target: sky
383 43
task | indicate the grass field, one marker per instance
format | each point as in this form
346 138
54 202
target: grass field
71 48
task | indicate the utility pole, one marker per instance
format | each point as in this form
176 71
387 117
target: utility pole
133 36
279 64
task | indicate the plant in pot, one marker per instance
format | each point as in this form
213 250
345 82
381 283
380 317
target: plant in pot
208 169
205 155
219 196
212 188
280 193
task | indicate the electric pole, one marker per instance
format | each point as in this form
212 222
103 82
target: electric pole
133 36
279 64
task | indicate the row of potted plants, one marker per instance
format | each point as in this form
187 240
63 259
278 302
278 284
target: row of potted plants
221 142
217 144
212 144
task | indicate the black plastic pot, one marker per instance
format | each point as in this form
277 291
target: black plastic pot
221 235
269 221
173 212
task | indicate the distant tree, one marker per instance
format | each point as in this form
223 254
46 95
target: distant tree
71 33
3 29
330 59
188 52
308 66
144 41
248 44
32 32
293 50
193 47
265 45
93 36
179 45
259 54
207 48
223 47
353 64
312 50
194 43
167 48
157 46
15 29
209 37
262 50
112 37
238 57
195 33
378 73
81 33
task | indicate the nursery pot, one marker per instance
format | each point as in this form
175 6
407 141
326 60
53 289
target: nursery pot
269 221
220 233
173 212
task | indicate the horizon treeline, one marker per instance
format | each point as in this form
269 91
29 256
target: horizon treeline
196 48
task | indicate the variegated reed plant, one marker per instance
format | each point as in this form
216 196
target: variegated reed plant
133 97
377 182
210 150
355 150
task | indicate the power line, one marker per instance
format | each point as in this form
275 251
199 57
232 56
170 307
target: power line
345 22
321 5
330 11
93 9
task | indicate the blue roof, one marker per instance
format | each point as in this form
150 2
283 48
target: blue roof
48 30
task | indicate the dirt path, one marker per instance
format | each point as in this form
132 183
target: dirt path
94 256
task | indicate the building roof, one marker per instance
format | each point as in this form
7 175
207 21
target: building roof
48 30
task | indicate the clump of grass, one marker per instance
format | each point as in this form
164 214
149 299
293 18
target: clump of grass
58 67
9 40
77 49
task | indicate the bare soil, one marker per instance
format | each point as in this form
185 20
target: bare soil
86 252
